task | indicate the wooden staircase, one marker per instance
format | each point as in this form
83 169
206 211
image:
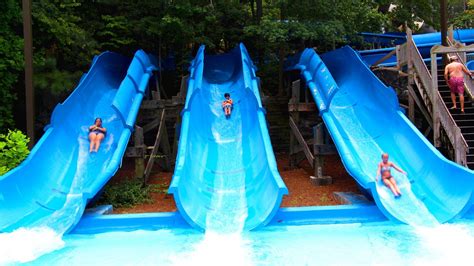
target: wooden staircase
464 121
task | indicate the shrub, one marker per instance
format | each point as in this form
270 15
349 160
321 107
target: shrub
13 150
126 193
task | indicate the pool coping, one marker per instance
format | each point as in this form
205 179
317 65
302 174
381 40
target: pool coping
97 222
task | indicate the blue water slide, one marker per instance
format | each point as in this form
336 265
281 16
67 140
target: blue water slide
424 42
53 185
364 120
225 168
470 65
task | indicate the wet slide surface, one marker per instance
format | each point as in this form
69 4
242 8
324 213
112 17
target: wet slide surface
53 185
364 120
226 177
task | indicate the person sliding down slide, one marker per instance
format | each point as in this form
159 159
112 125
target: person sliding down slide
227 105
387 178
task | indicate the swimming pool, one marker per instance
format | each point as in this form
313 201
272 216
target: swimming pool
378 243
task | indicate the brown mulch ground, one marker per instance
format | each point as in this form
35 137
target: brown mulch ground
301 191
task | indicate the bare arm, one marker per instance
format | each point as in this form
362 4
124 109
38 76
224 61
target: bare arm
465 70
398 169
446 73
378 172
92 127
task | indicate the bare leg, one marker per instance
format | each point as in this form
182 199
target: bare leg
394 184
92 139
390 186
453 98
99 138
461 100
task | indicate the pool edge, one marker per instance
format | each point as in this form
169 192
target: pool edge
93 223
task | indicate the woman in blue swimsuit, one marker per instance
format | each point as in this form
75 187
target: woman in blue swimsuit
96 135
383 170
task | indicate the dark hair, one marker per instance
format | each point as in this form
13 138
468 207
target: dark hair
226 95
100 119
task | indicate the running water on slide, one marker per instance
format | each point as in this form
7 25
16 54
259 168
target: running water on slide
364 120
226 179
45 196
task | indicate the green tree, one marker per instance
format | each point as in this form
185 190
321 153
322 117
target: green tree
11 59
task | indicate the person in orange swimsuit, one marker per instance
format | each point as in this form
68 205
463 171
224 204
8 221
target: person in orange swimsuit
227 105
383 170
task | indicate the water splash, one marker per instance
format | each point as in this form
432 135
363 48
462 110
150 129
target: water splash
446 244
24 245
45 235
218 249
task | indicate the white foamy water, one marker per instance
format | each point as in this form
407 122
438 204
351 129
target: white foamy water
446 244
223 242
25 245
217 249
45 235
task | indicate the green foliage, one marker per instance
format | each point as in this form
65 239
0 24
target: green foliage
68 33
126 193
466 18
13 150
11 59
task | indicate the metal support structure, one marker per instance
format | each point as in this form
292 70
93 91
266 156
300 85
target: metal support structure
29 89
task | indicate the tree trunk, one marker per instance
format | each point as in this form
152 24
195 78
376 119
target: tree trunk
252 8
259 10
281 61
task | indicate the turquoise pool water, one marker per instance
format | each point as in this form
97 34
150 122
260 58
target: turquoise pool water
382 243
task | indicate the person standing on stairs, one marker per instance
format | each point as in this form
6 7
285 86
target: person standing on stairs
454 76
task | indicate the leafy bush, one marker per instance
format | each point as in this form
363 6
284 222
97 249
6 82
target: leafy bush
127 193
13 150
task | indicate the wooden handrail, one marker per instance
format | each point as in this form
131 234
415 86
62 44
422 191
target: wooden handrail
441 112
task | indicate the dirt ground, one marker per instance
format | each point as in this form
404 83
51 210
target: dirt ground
301 191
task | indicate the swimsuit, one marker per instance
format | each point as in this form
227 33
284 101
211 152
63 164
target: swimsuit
385 169
96 131
227 103
456 85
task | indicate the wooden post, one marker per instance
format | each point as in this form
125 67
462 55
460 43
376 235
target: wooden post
156 95
295 98
159 136
444 26
29 88
318 139
434 99
411 77
320 149
140 146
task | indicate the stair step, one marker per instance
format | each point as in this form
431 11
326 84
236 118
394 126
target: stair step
470 165
465 123
466 129
469 136
459 116
445 93
470 158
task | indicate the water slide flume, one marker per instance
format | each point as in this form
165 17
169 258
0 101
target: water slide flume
364 119
424 42
53 185
225 172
